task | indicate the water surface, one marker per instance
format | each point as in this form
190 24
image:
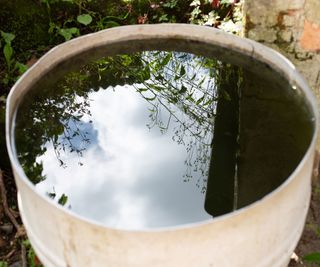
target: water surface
125 140
154 139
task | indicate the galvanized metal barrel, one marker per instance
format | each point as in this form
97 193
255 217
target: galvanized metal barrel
263 233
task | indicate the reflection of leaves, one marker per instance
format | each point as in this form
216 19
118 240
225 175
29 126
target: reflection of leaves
183 89
52 195
180 85
200 100
150 98
182 71
63 199
192 92
226 96
166 60
56 116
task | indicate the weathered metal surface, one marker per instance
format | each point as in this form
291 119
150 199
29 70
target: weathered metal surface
264 233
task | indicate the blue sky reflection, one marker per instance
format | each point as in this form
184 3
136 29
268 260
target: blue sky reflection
132 176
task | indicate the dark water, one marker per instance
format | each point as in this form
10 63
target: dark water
127 140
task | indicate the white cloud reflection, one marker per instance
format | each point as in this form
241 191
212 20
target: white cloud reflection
131 177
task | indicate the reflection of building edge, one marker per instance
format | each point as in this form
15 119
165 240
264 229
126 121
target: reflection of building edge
275 131
221 181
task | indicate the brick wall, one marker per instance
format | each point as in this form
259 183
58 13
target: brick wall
291 27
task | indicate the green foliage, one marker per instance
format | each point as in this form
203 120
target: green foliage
8 37
196 11
14 67
163 79
313 258
227 16
8 50
68 33
3 264
32 260
170 3
63 199
84 19
67 19
21 67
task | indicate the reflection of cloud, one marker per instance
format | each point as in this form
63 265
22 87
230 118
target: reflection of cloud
132 176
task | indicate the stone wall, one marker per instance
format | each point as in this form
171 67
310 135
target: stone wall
291 27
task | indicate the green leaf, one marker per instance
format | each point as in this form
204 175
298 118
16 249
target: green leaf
84 19
200 100
173 100
31 255
313 257
156 88
226 96
150 98
166 60
52 195
164 18
208 102
6 79
195 3
63 200
142 89
8 52
190 97
195 12
111 24
183 89
22 68
8 37
67 33
182 71
170 4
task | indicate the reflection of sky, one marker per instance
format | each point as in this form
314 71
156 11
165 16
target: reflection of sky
131 177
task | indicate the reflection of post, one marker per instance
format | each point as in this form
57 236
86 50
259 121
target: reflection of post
275 133
221 181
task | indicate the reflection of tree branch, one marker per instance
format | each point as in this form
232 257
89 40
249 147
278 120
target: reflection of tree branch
186 102
168 122
178 120
158 98
173 73
177 87
169 87
171 113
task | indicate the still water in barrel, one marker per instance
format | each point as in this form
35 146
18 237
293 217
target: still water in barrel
126 140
